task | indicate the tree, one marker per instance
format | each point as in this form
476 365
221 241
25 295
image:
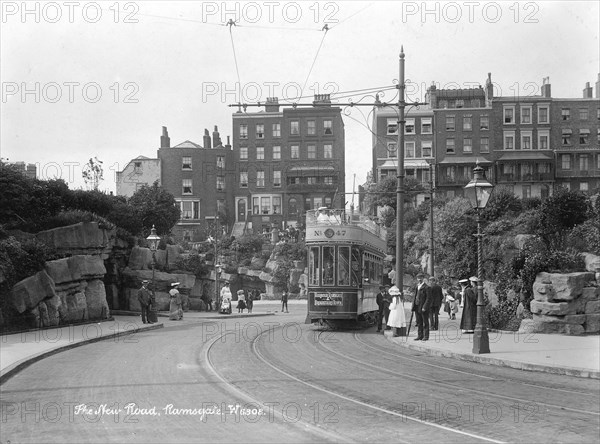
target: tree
93 173
153 205
558 214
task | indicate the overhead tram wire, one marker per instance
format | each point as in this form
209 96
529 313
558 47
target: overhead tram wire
231 24
326 29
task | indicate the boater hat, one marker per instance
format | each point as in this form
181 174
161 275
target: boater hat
463 281
175 284
145 281
474 279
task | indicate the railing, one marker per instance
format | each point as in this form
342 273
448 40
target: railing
529 177
299 187
576 173
330 217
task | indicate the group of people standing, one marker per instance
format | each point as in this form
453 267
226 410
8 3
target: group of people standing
245 298
426 305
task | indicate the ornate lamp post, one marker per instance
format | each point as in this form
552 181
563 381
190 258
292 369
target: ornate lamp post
153 241
478 191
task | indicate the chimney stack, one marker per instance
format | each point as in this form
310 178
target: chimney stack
165 141
598 87
546 90
272 104
207 143
588 92
228 146
216 137
489 90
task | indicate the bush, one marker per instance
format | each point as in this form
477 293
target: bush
193 263
585 237
504 315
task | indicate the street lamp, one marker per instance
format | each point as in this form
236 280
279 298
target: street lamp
153 241
478 191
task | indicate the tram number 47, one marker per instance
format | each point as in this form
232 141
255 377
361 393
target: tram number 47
330 232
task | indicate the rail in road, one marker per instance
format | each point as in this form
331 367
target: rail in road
353 386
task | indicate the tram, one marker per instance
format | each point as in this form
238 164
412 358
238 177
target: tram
345 267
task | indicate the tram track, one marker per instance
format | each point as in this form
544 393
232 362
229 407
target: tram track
386 350
269 359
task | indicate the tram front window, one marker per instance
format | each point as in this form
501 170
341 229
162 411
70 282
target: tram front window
344 266
328 265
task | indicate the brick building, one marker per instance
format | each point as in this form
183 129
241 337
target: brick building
575 137
200 179
463 128
287 160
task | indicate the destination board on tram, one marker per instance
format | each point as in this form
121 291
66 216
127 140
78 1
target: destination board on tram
329 299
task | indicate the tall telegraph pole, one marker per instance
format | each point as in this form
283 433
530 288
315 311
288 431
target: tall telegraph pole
400 182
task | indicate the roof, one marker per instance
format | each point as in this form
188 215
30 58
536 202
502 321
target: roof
465 159
525 155
187 144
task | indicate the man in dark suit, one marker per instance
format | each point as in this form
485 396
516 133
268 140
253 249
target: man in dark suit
421 306
437 296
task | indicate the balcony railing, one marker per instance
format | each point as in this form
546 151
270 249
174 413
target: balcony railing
300 187
529 177
455 180
577 173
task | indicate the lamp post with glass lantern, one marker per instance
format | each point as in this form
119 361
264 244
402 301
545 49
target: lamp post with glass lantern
153 241
478 191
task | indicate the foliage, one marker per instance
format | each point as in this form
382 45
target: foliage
503 202
292 251
558 214
535 258
456 247
504 315
93 173
585 237
531 203
193 263
155 206
21 259
384 192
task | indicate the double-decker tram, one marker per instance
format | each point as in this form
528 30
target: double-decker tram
345 267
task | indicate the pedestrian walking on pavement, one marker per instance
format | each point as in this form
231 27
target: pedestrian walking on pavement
176 303
145 300
437 297
469 298
421 306
284 301
249 301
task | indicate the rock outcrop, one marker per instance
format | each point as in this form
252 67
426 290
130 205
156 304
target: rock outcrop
566 303
68 290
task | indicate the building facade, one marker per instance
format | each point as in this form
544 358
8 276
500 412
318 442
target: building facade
575 137
288 160
137 173
419 146
463 127
201 180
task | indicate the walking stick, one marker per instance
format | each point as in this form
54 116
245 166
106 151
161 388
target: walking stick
409 324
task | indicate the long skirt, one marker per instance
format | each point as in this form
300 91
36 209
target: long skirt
175 311
397 318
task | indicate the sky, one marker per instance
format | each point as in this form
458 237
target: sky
101 79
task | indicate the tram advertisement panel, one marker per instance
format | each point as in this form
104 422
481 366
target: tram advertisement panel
333 302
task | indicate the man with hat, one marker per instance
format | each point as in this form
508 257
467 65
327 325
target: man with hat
437 296
469 300
421 306
381 304
145 299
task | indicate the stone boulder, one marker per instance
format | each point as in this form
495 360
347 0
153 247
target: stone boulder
95 299
75 268
81 238
522 239
550 287
28 293
592 262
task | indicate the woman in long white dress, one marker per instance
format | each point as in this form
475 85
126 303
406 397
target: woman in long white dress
397 318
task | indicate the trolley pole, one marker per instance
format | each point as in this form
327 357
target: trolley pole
431 248
400 183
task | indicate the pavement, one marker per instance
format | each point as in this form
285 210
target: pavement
558 354
550 353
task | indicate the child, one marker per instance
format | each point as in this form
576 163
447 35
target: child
241 305
452 306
